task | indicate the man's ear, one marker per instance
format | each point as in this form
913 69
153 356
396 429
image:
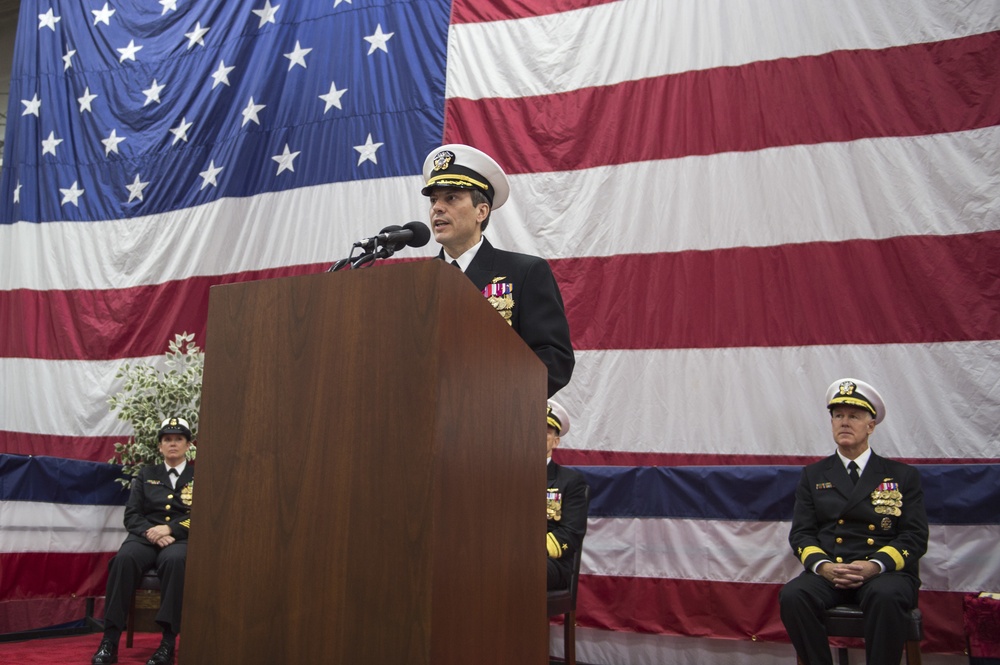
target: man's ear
482 211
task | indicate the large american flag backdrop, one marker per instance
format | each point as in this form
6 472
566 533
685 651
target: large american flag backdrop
742 201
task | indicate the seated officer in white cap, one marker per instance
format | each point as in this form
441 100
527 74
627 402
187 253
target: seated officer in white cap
158 519
859 528
565 505
464 186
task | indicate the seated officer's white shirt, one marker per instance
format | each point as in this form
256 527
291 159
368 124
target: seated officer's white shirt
180 469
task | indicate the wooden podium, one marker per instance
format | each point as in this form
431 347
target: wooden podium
369 477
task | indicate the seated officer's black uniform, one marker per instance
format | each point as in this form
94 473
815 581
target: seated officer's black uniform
158 519
565 506
860 540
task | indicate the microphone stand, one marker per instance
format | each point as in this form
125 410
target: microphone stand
375 248
339 265
367 260
362 261
352 261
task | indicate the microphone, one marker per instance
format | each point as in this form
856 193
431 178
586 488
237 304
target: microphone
413 234
389 240
386 238
369 243
394 237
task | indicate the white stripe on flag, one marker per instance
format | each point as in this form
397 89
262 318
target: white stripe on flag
769 401
31 526
634 39
730 401
293 227
62 396
757 552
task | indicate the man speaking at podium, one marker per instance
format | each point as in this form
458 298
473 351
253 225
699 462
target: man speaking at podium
464 186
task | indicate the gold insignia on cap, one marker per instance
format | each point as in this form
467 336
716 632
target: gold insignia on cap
443 160
848 395
173 422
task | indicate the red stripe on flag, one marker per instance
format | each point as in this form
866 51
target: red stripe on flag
88 448
728 610
477 11
18 616
912 289
114 323
101 448
53 574
913 90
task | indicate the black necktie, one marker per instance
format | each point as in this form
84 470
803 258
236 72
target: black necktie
455 263
173 477
852 472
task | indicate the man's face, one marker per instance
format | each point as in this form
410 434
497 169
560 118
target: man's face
852 425
551 440
174 447
455 220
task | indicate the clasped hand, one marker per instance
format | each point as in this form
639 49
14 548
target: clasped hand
848 575
159 535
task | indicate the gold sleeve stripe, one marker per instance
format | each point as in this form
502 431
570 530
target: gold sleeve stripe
186 523
809 551
552 546
897 558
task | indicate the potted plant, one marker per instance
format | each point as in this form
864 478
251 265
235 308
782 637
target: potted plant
149 395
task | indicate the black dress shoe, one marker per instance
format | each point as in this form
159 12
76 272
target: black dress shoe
106 653
164 655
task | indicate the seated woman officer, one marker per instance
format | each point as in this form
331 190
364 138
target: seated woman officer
158 519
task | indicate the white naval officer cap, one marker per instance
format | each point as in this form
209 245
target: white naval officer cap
854 392
556 416
464 167
174 426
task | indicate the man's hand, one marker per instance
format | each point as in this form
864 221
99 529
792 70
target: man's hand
848 575
159 535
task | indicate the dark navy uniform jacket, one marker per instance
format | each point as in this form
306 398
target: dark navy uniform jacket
538 315
567 522
836 521
153 502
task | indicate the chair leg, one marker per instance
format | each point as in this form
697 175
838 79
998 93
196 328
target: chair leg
913 652
569 638
130 622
